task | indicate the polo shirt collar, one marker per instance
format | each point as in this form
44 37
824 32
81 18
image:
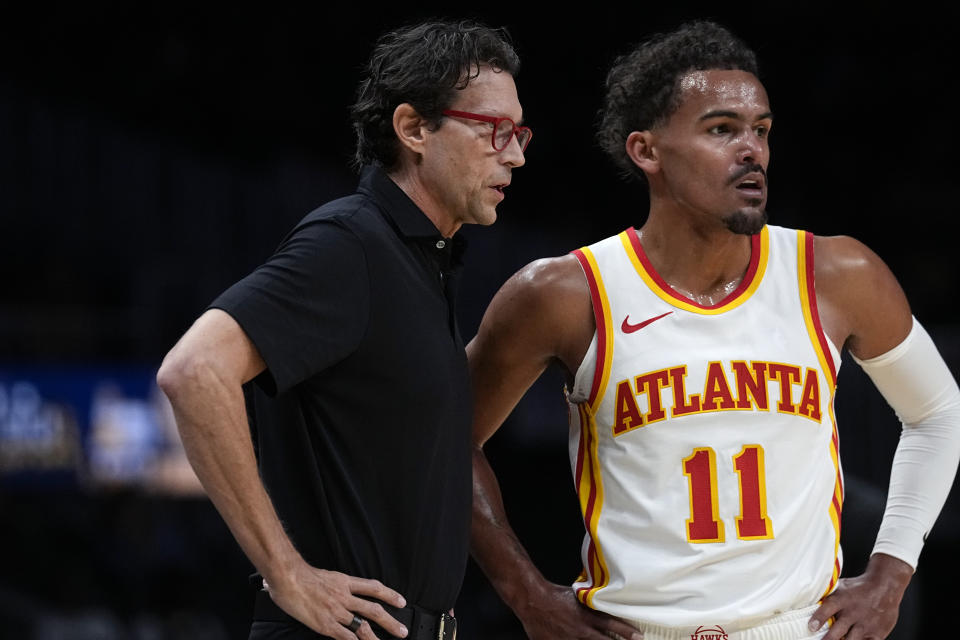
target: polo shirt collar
406 216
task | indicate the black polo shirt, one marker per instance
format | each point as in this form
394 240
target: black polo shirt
361 421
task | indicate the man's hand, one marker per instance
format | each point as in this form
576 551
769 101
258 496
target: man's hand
866 607
326 601
556 614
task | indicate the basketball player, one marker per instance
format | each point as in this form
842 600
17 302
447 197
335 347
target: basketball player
701 353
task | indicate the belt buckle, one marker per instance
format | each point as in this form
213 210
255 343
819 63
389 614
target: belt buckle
448 624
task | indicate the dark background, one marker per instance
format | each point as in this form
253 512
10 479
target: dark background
152 155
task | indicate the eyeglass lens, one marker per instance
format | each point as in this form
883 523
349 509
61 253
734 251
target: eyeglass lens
504 132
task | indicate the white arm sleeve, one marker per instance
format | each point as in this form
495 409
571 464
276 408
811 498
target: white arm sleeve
916 382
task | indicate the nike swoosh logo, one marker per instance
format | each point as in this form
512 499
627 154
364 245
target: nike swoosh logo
626 327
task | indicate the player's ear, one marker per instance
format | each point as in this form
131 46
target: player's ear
642 150
410 127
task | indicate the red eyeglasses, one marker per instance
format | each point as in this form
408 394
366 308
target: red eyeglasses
503 129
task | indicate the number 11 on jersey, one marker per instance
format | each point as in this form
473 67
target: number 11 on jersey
704 524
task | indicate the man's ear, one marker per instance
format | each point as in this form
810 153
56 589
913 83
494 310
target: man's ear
643 152
409 127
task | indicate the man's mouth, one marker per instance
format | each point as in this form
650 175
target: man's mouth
751 178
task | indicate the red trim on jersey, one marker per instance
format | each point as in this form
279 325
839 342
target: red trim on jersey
581 451
586 436
599 321
583 593
592 499
743 286
836 447
815 315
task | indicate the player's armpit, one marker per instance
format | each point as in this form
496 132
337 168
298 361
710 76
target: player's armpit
862 305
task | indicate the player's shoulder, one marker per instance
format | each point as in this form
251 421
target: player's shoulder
859 296
556 271
564 273
844 256
543 288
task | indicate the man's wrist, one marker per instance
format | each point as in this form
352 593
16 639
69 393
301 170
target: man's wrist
894 571
281 567
527 593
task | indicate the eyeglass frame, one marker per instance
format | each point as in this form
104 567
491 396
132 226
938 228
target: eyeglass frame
495 121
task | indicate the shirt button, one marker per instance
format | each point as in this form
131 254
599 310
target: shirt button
441 244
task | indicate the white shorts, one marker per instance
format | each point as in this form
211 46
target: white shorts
787 626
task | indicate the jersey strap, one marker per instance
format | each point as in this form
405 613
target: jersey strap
587 473
601 312
811 316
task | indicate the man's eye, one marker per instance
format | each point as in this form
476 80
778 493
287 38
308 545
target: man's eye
720 129
762 132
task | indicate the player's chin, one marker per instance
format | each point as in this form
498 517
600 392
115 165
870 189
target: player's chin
747 220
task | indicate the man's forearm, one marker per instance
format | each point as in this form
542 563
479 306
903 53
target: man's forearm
211 418
495 546
916 382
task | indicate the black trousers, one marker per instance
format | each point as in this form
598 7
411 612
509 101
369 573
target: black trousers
269 630
270 622
293 630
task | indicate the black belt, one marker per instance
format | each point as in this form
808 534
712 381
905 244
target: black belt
421 623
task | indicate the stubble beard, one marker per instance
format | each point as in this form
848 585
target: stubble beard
746 221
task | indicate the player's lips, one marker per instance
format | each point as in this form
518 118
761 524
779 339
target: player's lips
753 184
499 188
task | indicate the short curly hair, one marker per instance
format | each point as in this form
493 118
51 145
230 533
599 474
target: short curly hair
642 87
423 65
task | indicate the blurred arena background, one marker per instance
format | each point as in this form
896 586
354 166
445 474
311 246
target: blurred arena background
152 154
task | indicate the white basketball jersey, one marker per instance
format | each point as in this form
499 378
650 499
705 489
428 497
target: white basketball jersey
703 441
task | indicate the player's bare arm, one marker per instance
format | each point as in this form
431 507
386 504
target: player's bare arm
864 310
542 315
203 377
861 304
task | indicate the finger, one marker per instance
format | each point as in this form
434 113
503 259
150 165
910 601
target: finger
621 629
589 633
339 632
349 627
365 632
378 590
374 612
855 633
827 610
838 631
596 633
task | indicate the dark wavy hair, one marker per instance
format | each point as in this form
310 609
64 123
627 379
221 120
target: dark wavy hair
642 87
423 65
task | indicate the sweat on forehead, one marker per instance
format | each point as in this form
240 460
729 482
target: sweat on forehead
721 84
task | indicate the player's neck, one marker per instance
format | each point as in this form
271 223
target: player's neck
703 262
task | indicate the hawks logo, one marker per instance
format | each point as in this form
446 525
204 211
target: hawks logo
709 633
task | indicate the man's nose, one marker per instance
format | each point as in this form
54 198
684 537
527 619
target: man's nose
513 153
753 149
